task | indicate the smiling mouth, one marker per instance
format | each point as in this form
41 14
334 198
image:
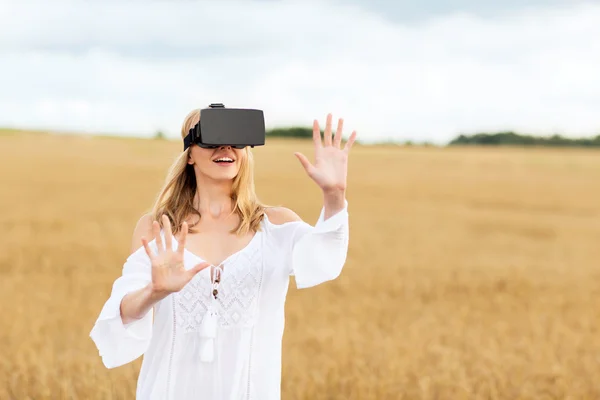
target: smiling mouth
223 160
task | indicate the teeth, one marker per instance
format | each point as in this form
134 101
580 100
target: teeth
224 159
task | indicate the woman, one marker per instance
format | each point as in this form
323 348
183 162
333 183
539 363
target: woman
203 301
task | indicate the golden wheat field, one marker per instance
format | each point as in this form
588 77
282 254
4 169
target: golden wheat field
472 273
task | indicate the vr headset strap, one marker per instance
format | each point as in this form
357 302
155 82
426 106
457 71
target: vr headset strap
189 139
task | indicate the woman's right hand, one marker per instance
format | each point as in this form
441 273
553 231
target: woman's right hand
168 272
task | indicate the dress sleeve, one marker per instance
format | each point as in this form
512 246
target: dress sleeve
318 253
120 343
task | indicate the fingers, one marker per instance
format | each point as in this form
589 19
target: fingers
327 134
317 134
157 237
337 139
147 248
304 161
350 142
182 237
168 232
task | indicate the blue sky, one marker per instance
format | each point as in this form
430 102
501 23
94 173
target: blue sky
424 71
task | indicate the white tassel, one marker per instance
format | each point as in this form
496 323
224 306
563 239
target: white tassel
208 332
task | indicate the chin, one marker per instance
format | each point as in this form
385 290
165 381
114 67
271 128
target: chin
226 178
224 175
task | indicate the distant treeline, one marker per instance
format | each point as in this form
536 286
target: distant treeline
486 139
295 132
512 138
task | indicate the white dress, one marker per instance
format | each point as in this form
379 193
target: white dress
243 358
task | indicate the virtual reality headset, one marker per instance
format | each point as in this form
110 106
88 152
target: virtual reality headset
220 126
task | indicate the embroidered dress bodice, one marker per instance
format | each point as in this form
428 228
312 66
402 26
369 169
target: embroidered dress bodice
219 338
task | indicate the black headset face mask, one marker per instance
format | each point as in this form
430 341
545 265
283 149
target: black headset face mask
220 126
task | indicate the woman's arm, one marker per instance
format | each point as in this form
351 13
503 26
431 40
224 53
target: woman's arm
135 305
123 330
318 253
333 202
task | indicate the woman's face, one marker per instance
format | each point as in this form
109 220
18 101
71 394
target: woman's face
222 163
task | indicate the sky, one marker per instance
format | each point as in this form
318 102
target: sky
424 71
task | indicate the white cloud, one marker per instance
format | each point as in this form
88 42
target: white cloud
135 67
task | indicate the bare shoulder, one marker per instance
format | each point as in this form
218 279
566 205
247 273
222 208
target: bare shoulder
281 215
143 228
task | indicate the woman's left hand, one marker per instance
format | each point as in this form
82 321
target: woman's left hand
331 162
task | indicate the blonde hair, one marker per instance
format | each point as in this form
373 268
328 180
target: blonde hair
175 200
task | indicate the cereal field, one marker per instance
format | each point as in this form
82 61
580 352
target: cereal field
472 273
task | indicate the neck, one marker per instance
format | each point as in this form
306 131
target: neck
213 198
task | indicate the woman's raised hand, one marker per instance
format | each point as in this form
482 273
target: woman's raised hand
331 160
168 272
